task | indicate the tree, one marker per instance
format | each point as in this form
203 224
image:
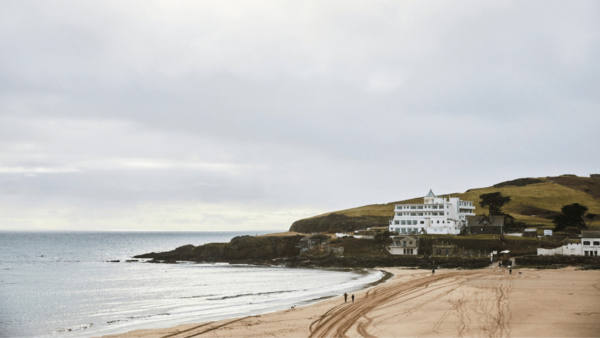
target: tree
572 215
382 236
494 201
591 217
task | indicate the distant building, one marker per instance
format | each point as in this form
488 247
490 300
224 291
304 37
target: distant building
443 249
530 232
404 245
591 242
330 249
436 216
485 224
587 245
310 242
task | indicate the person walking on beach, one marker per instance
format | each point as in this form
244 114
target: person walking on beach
352 298
345 297
433 271
510 271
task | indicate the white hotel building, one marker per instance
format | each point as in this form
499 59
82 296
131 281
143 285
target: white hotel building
436 216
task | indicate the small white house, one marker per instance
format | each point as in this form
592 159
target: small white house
588 245
404 245
590 241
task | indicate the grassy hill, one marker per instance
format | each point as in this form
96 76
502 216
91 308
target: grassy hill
535 201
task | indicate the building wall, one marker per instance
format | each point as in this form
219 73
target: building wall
590 246
435 216
575 249
550 252
395 250
572 249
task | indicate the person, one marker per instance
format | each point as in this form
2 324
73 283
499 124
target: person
432 271
510 271
345 297
352 298
499 264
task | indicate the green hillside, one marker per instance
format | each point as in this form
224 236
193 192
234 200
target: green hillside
535 201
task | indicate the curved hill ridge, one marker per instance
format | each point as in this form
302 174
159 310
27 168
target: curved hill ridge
535 201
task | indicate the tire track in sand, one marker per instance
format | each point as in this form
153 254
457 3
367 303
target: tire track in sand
337 323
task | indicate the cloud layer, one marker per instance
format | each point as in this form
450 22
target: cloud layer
221 115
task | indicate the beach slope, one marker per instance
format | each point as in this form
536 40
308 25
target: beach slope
417 303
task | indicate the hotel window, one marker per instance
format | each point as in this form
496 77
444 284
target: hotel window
596 243
403 222
413 207
420 207
413 214
420 214
414 222
396 222
586 243
422 222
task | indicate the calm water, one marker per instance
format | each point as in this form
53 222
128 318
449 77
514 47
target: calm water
59 284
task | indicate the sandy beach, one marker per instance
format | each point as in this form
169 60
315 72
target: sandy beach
416 303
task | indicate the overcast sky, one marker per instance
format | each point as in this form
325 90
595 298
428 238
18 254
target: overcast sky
239 115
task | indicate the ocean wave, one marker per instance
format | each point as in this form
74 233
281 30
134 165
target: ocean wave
252 294
200 296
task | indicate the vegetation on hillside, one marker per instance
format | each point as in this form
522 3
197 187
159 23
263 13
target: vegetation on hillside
534 202
573 215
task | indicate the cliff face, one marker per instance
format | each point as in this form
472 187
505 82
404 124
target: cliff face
239 249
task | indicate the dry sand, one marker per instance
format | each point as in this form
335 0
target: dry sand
451 303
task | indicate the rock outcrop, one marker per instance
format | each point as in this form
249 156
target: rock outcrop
239 249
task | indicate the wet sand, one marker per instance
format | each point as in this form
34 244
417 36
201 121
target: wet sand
415 303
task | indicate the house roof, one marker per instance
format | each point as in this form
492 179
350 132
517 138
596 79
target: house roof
430 194
590 234
485 220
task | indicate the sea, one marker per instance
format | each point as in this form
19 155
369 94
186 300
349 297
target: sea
66 284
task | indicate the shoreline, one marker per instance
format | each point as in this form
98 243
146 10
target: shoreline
487 302
365 285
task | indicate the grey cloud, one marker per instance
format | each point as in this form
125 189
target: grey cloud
306 104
